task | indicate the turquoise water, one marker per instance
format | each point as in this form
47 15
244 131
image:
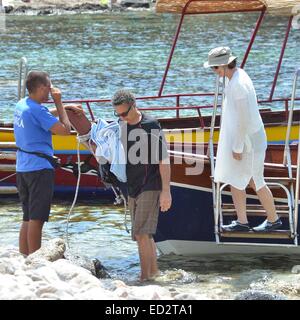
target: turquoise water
96 229
91 56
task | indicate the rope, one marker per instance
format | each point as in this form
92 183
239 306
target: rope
8 177
82 139
126 211
118 199
76 192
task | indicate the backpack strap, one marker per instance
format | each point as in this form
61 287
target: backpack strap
54 161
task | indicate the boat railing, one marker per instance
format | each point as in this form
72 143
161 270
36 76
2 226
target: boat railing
23 70
178 104
215 186
287 155
296 210
177 107
296 206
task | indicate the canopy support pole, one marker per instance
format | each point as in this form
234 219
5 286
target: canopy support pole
257 26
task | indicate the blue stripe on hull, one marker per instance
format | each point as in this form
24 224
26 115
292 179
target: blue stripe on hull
190 218
71 152
69 191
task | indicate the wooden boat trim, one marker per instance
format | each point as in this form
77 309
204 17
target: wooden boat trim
278 234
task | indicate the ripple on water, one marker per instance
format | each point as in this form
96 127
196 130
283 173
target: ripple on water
130 50
98 231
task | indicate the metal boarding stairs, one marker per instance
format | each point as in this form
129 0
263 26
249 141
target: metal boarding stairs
7 149
285 211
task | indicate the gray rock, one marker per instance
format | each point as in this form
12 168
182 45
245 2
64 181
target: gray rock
51 251
100 270
296 269
185 296
258 295
8 9
55 249
6 266
94 265
45 12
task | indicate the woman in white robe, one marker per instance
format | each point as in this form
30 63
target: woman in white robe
242 143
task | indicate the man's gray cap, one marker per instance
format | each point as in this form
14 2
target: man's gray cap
220 56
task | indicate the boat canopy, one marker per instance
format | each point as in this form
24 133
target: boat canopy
275 7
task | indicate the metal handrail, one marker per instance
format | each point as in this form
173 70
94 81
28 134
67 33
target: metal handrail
297 73
287 161
211 155
290 120
215 186
297 190
290 205
23 70
289 201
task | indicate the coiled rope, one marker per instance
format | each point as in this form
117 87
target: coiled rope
119 197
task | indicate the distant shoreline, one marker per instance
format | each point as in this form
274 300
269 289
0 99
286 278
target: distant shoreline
38 8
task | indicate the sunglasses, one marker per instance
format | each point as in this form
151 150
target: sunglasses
123 114
215 68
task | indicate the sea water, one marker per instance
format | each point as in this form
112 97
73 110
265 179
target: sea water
92 56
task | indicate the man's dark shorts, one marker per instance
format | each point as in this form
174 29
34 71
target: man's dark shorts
35 193
144 211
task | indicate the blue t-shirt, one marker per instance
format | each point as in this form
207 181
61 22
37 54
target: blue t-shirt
32 122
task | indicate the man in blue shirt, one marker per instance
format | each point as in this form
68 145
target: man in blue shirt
33 128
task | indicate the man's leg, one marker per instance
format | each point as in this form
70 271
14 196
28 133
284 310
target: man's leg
24 199
146 255
23 245
144 214
34 238
239 200
153 267
41 191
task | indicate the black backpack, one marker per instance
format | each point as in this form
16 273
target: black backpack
106 175
108 178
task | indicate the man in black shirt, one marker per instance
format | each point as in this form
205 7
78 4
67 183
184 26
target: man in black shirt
148 176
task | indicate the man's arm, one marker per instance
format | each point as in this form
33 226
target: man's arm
63 127
165 196
54 112
76 108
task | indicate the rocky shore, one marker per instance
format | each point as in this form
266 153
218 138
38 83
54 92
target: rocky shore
48 274
53 7
54 273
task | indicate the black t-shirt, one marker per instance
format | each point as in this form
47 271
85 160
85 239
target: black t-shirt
145 145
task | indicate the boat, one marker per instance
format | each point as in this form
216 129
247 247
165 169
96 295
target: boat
192 225
200 205
177 127
178 130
